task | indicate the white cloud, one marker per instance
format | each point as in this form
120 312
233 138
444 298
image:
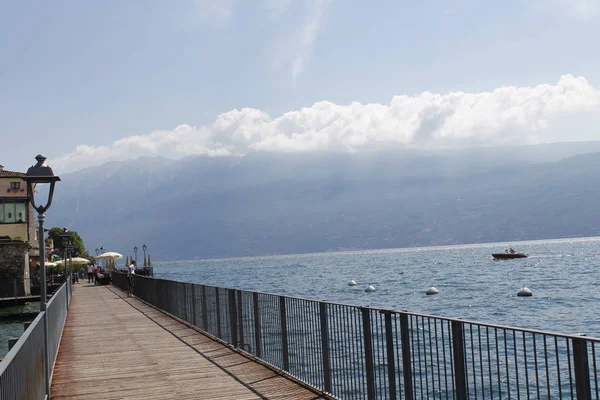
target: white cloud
503 116
293 53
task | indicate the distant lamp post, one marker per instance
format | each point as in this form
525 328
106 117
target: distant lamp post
38 175
145 262
67 246
135 249
70 249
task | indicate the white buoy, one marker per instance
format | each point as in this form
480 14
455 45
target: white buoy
524 292
352 283
432 290
370 288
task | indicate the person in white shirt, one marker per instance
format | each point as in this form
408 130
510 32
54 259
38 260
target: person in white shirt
130 276
90 273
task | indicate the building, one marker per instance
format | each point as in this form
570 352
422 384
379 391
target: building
19 247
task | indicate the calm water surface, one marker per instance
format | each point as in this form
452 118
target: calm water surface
563 275
11 327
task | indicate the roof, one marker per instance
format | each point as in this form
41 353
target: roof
11 174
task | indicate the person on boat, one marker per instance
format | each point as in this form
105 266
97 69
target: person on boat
506 251
512 251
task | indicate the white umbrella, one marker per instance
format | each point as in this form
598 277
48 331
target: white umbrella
75 260
109 255
50 264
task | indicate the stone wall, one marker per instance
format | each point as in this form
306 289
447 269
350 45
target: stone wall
14 262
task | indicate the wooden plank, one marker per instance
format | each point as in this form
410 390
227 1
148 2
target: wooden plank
115 347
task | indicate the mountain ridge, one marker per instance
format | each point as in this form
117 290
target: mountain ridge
201 207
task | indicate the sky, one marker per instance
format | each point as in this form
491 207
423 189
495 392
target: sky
85 82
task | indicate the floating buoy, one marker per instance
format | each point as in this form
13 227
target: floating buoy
432 290
370 288
352 283
524 292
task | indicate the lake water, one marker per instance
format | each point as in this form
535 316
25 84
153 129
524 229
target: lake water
11 327
563 275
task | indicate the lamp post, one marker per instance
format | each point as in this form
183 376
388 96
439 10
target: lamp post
135 249
40 174
66 242
70 253
144 248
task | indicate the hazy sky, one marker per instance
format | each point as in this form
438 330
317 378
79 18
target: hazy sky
89 81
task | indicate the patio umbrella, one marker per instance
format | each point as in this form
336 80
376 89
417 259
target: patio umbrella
75 260
109 255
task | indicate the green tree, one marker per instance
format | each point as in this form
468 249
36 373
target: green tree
59 242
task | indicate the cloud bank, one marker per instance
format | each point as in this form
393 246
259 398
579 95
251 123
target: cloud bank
428 120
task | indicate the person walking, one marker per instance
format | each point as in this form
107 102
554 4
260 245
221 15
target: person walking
90 273
130 278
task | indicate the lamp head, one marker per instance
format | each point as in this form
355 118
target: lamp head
40 173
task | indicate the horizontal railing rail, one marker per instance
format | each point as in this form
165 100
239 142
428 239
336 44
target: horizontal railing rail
22 369
358 352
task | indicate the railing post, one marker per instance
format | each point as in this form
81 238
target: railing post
389 348
218 311
582 369
325 346
233 318
204 310
284 334
368 345
458 352
240 315
406 356
194 305
185 305
257 333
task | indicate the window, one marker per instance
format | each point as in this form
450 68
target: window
13 210
15 185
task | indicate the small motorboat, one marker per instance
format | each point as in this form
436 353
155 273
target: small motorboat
508 255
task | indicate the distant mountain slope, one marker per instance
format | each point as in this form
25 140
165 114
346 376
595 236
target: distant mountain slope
202 207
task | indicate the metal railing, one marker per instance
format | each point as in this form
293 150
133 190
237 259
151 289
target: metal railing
22 369
365 353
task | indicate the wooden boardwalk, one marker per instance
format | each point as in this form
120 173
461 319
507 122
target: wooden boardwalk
114 347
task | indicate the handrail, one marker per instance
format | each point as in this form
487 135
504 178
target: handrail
449 319
358 352
22 369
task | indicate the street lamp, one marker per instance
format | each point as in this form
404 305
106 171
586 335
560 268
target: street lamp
42 174
144 248
135 249
66 242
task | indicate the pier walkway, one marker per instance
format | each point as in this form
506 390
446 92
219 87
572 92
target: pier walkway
115 347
